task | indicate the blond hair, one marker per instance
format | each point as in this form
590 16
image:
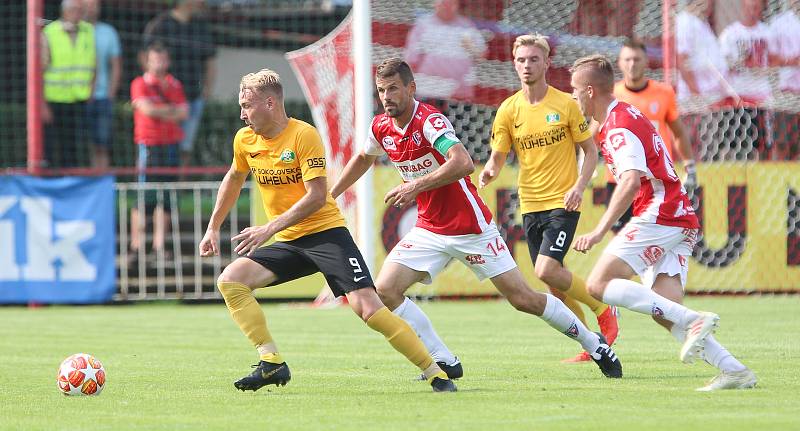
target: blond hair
532 40
263 82
599 69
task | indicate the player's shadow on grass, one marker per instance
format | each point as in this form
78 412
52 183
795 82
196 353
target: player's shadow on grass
484 390
668 376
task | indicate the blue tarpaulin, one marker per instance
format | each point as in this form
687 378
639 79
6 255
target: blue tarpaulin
57 239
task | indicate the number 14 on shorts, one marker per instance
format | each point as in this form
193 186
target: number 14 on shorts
496 246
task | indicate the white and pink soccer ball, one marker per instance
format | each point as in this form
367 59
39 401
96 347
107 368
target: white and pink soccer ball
81 374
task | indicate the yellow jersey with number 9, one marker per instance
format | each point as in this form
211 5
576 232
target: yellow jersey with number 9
544 137
280 166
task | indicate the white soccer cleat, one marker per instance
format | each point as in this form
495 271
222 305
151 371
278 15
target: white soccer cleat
744 379
696 335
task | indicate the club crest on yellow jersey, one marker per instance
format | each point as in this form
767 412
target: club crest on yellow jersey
287 156
552 117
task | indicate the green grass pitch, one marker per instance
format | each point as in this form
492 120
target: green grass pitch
171 367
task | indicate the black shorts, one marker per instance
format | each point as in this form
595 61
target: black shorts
550 232
331 252
157 156
625 218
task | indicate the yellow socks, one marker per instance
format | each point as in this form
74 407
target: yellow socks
572 304
434 371
268 352
577 290
402 338
246 312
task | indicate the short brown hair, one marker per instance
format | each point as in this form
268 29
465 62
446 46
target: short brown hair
601 72
393 66
156 46
532 40
634 43
265 81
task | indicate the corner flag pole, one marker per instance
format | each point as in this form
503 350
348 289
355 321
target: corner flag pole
362 61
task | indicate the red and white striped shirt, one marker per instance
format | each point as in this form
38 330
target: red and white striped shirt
629 141
452 209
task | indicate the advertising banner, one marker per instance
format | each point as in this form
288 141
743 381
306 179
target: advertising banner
57 239
750 217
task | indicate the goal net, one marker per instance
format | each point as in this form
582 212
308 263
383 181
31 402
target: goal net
460 51
744 128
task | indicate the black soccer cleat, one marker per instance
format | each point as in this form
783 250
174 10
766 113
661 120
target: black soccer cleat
265 373
606 359
442 385
455 371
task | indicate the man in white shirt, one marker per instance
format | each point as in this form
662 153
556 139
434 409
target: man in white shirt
444 46
746 45
703 70
785 29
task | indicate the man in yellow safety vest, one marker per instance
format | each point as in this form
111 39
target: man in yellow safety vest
68 65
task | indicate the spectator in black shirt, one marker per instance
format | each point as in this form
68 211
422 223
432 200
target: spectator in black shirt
188 38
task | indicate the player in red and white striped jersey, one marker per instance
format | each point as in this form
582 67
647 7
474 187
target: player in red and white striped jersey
453 222
416 150
658 240
629 142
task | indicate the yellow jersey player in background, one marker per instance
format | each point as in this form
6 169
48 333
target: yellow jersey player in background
545 127
287 159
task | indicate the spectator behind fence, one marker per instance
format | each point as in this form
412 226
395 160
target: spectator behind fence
702 67
100 110
786 30
605 17
159 105
68 65
445 45
191 47
746 46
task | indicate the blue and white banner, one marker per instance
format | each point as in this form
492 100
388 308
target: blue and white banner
57 239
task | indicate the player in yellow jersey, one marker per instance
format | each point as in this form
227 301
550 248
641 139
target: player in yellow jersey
545 127
287 159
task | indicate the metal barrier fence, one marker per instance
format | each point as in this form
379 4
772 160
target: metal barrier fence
174 270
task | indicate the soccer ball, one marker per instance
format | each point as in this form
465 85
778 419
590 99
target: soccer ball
81 374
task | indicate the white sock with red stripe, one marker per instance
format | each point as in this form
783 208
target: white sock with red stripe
718 356
678 332
420 323
714 353
557 315
636 297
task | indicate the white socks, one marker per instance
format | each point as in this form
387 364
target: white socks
718 356
420 323
714 353
636 297
557 315
678 332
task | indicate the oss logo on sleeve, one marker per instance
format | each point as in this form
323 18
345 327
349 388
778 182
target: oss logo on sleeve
316 162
